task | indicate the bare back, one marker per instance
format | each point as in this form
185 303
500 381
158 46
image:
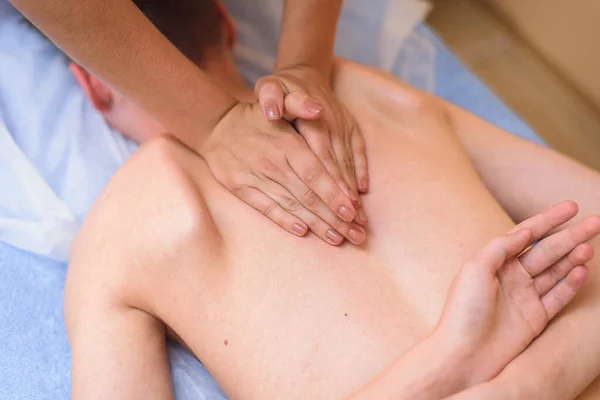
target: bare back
269 313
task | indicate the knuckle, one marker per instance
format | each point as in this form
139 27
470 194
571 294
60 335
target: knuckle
291 204
236 182
551 249
327 156
310 198
332 197
267 165
554 274
348 164
419 103
339 224
268 209
312 174
237 191
263 81
285 142
498 242
358 141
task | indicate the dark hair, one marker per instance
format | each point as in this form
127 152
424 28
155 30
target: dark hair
193 26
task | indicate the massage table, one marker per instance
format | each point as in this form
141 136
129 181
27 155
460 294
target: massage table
56 154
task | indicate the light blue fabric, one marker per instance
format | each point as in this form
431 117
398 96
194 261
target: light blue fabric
34 353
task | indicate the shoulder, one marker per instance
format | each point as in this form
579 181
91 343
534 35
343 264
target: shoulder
150 213
361 86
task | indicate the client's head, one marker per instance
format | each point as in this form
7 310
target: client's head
201 29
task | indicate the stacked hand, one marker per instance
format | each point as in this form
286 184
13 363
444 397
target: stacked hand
302 176
298 94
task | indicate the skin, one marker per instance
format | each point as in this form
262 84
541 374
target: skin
299 91
122 47
299 207
295 318
495 308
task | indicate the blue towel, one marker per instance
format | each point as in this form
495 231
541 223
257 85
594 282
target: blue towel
34 353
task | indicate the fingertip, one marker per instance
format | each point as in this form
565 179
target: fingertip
347 213
570 205
299 229
594 222
271 111
357 235
334 238
581 272
577 277
312 106
363 185
362 173
348 192
587 251
361 215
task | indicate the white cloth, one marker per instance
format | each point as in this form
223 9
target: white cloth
57 152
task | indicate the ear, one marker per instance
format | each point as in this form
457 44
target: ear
99 94
227 23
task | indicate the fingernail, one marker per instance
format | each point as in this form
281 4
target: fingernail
348 192
356 236
312 106
335 237
363 186
299 229
362 215
346 214
272 111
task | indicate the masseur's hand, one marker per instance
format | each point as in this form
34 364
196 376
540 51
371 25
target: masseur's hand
270 166
302 95
503 298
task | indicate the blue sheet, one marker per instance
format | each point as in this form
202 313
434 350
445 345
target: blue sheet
34 353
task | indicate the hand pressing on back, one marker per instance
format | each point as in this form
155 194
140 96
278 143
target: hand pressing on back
303 96
271 167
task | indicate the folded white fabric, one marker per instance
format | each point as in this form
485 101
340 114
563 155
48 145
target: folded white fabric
57 152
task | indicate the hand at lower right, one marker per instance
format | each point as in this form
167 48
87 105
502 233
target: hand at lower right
504 297
269 166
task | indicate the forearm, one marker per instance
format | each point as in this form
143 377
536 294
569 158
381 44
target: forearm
115 41
429 370
308 34
526 178
491 390
566 357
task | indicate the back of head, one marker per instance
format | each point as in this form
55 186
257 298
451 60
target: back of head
200 29
193 26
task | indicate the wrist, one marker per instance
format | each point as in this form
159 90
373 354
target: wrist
211 121
302 74
521 387
445 363
431 369
323 68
